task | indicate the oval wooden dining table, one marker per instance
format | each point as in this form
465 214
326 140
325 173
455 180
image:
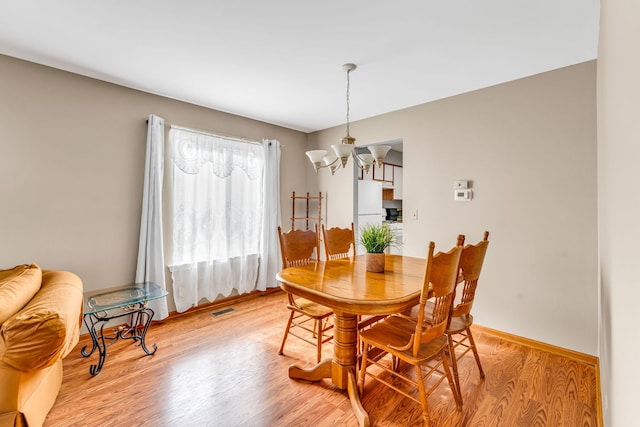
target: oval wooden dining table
346 287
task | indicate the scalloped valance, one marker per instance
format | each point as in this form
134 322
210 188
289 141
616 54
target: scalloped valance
191 150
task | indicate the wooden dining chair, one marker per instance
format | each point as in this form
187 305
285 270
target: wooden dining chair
299 247
416 343
339 242
459 336
459 330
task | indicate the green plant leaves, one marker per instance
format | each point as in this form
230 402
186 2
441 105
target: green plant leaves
376 238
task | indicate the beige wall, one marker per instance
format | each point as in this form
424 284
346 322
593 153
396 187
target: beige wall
619 208
71 168
529 147
72 162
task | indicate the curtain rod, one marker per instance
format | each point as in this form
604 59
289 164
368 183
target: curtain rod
209 133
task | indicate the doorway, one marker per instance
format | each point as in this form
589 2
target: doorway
378 194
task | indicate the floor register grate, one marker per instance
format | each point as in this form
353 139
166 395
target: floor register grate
223 311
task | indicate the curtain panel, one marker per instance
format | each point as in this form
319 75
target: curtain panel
150 266
270 258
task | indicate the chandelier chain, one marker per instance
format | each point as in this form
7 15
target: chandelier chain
348 84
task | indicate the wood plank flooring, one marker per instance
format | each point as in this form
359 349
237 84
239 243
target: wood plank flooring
225 371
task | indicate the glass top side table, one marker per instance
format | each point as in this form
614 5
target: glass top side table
123 301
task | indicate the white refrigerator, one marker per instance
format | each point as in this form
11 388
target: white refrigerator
369 207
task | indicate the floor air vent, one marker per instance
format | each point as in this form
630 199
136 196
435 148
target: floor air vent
221 312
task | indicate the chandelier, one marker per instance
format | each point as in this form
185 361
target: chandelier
344 150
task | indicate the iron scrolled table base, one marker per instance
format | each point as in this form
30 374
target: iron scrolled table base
139 321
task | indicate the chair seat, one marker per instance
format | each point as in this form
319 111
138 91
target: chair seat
460 324
457 325
310 308
366 321
396 331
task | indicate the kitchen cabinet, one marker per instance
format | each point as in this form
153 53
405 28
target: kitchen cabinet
378 172
397 182
387 194
395 191
367 176
387 172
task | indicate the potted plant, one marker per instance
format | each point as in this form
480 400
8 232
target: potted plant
375 238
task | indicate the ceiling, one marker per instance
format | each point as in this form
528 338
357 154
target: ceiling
281 61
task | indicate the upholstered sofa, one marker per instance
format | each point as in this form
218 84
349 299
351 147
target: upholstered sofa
40 319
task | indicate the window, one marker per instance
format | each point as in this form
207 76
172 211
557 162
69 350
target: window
217 208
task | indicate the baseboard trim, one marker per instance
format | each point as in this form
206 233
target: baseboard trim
224 302
599 413
559 351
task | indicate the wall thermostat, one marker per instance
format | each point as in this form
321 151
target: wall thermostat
462 195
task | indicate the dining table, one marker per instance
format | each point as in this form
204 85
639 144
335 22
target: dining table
345 286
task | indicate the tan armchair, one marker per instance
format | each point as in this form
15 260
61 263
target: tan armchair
40 320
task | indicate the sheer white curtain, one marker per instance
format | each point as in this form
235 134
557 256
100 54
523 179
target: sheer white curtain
150 267
218 215
270 259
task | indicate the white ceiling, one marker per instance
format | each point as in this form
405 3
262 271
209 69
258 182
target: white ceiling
281 61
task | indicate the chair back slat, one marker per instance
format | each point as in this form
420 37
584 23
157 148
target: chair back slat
338 242
439 283
470 268
298 247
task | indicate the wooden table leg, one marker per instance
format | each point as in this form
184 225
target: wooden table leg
345 356
320 371
342 369
354 397
345 351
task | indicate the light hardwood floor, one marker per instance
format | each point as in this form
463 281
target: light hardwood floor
226 371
